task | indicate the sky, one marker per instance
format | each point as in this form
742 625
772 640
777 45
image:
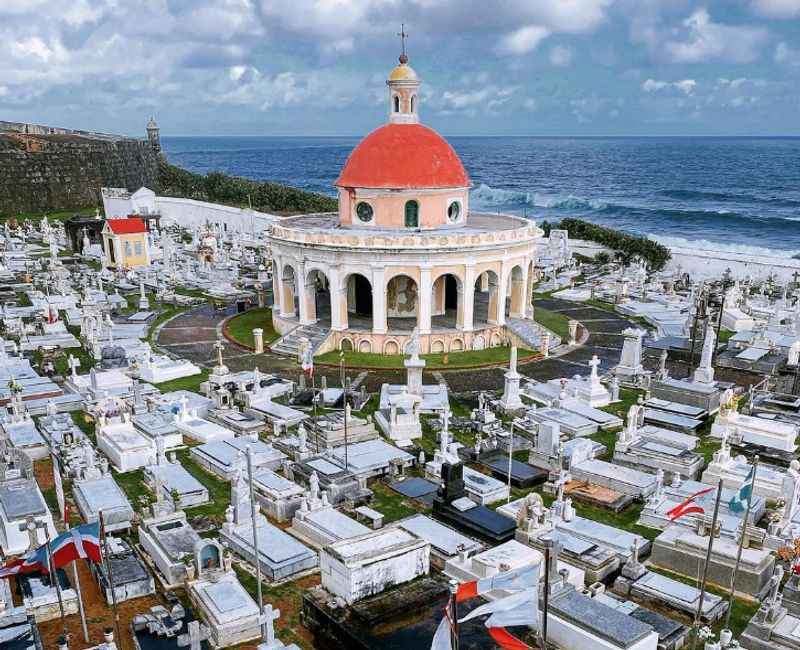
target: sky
318 67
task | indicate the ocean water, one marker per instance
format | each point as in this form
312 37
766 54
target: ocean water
740 194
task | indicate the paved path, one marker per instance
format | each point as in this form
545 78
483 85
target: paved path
193 333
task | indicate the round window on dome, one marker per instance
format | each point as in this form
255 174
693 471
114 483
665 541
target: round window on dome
364 211
454 211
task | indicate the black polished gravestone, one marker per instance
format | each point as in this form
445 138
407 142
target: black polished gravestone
452 505
522 474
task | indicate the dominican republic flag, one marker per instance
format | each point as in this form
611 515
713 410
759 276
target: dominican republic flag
524 577
308 362
78 543
739 501
689 506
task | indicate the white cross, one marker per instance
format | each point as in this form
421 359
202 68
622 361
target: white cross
268 618
194 636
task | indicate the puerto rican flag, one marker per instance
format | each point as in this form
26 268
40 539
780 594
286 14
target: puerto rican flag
81 543
689 506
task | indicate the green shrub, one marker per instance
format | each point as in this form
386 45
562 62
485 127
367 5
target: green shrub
233 190
627 247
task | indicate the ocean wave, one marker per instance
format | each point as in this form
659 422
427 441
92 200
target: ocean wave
703 217
706 245
728 197
498 196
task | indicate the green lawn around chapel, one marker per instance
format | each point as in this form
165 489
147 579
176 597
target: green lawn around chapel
240 327
466 359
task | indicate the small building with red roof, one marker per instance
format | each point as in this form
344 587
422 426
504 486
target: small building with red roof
404 252
125 243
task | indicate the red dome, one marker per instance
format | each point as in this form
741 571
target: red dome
403 156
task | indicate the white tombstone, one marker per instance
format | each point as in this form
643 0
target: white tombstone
511 400
630 362
704 374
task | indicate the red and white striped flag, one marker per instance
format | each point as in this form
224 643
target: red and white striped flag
689 506
308 362
524 577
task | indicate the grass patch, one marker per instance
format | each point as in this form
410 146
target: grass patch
85 423
133 485
219 491
725 335
52 215
164 315
555 322
184 383
390 504
440 361
240 327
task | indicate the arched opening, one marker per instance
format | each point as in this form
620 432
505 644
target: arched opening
289 304
402 303
515 298
412 214
396 104
413 102
446 301
346 345
359 302
486 299
318 297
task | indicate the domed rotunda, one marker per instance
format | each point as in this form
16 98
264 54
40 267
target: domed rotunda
404 251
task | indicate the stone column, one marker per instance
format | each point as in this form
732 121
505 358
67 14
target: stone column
501 291
529 291
425 297
305 300
308 303
338 301
466 304
378 302
277 286
258 337
517 296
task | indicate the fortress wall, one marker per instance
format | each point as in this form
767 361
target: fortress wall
44 168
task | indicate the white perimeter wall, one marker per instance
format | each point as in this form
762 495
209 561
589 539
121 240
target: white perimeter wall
188 212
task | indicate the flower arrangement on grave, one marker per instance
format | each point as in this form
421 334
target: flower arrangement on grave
790 554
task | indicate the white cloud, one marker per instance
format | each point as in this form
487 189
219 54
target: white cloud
560 55
786 55
776 8
686 86
523 40
702 40
530 104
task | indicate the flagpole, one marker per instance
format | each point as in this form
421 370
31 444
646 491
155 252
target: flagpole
547 545
255 532
80 601
314 406
54 579
344 404
110 572
510 451
741 545
454 612
705 566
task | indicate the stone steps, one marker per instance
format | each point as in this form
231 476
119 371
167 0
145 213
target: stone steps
289 343
530 332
